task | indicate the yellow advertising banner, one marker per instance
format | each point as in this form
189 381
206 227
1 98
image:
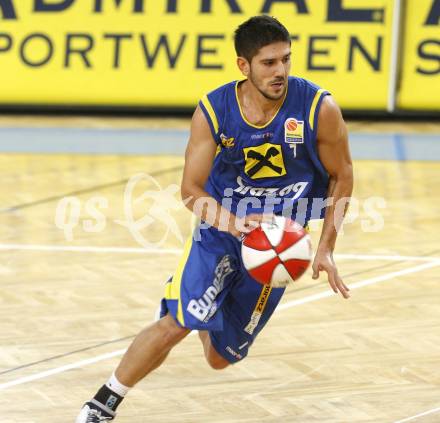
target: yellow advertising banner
420 83
171 52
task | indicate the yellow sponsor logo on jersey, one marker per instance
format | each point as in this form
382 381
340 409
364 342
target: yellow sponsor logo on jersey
264 161
227 142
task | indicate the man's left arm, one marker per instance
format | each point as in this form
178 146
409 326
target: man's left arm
334 153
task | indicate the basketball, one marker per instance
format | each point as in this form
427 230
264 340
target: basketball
277 253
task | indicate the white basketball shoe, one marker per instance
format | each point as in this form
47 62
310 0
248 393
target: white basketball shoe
93 413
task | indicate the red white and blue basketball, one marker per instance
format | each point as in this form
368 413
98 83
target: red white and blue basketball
277 253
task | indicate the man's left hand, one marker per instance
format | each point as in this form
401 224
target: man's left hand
324 262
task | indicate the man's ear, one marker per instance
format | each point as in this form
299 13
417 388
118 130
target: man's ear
243 65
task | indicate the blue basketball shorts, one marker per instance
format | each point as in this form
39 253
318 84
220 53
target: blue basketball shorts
212 291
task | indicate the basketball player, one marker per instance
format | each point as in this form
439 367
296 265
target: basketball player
268 142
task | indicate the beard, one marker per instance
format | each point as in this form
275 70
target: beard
264 93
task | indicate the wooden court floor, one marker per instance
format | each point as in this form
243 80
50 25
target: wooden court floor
69 308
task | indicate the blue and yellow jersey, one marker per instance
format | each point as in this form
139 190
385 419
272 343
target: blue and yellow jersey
273 165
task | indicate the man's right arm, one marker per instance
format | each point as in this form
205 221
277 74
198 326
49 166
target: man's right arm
199 157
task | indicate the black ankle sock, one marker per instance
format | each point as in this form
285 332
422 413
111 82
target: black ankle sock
108 398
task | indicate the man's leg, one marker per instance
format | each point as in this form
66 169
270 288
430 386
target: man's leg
149 349
147 352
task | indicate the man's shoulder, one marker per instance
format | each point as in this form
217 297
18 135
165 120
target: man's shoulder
215 104
222 90
302 83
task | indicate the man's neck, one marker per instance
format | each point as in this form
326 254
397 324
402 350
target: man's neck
257 108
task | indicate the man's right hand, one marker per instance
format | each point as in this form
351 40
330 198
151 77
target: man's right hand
244 225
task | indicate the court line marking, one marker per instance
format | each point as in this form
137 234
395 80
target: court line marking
63 355
89 249
138 250
61 369
358 284
385 257
289 304
425 413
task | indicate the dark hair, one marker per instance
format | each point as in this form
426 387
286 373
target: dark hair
257 32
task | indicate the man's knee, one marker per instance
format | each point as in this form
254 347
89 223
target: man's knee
170 330
217 362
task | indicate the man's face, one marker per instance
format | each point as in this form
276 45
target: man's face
270 68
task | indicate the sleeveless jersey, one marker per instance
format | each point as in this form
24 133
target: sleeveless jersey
272 167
